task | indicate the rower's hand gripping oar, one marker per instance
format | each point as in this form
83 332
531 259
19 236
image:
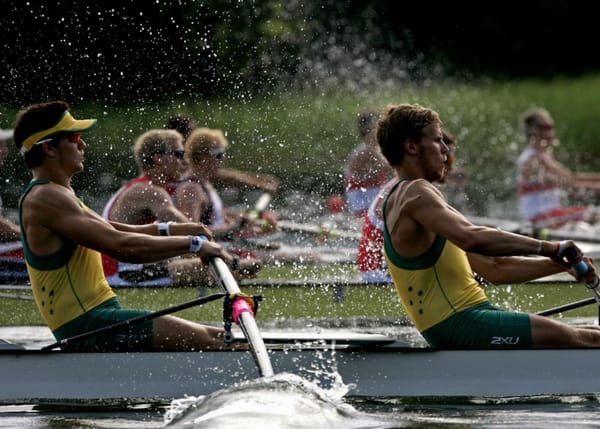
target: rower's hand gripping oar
245 316
582 269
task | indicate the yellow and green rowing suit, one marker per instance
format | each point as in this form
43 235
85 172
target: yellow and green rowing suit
446 303
73 296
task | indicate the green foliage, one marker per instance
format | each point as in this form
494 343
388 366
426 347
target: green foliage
304 137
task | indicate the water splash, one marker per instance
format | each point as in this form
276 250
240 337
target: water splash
284 400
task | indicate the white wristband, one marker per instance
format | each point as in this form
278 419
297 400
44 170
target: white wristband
561 248
164 228
196 242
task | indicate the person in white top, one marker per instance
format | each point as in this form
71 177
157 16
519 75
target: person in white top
542 180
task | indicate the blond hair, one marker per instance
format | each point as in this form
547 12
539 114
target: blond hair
202 140
153 142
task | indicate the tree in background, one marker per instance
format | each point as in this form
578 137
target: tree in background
136 50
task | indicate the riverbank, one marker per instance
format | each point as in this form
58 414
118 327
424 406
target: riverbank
304 137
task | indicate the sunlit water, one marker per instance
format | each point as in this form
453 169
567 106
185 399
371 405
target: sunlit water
286 402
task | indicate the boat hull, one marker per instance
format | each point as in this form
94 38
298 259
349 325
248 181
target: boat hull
374 368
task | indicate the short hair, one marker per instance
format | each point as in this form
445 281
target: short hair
534 118
182 124
153 142
35 118
366 122
400 122
203 139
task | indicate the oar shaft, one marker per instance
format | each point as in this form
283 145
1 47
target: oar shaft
139 319
566 307
284 225
246 320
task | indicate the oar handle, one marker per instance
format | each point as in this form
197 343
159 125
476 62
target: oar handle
581 268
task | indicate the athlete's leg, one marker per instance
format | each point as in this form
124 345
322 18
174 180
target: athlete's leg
546 332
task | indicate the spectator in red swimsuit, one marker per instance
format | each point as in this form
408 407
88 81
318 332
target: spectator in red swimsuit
365 169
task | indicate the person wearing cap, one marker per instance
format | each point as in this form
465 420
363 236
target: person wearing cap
63 240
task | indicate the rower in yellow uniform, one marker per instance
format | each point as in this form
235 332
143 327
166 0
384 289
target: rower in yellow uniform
63 239
433 251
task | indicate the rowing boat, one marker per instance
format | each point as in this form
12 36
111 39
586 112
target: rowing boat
372 365
579 232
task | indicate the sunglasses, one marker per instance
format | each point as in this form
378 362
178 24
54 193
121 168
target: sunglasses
217 153
177 153
546 127
75 137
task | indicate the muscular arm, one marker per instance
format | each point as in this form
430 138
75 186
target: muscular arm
501 269
53 213
424 213
187 228
231 177
144 200
192 201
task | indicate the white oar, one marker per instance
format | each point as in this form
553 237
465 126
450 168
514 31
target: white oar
245 318
262 203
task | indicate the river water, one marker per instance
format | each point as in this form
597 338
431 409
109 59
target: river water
287 401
